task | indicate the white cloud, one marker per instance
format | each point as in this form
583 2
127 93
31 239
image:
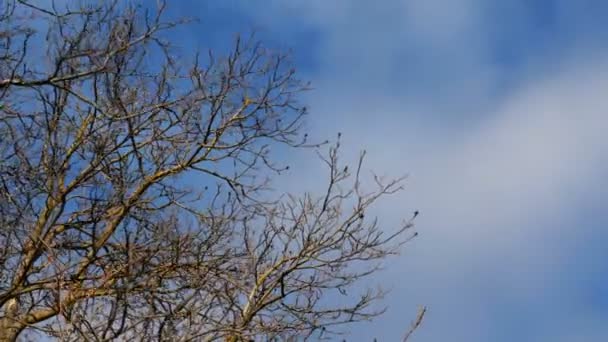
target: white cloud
494 194
499 180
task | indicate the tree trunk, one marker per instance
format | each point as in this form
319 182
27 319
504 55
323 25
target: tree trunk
9 329
9 325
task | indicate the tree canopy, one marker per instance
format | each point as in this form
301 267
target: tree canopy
134 189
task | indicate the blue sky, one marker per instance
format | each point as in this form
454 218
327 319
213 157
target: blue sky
497 111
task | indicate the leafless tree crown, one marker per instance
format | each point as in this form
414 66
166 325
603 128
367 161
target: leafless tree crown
133 202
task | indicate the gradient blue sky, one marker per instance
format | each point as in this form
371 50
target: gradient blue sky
497 111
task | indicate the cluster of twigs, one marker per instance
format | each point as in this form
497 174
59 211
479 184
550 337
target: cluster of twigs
130 185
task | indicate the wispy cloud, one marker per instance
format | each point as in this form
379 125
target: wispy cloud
498 112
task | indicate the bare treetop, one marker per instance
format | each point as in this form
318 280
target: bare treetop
130 189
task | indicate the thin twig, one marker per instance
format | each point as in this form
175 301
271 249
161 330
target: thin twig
416 323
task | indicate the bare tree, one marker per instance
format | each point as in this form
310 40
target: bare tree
134 189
